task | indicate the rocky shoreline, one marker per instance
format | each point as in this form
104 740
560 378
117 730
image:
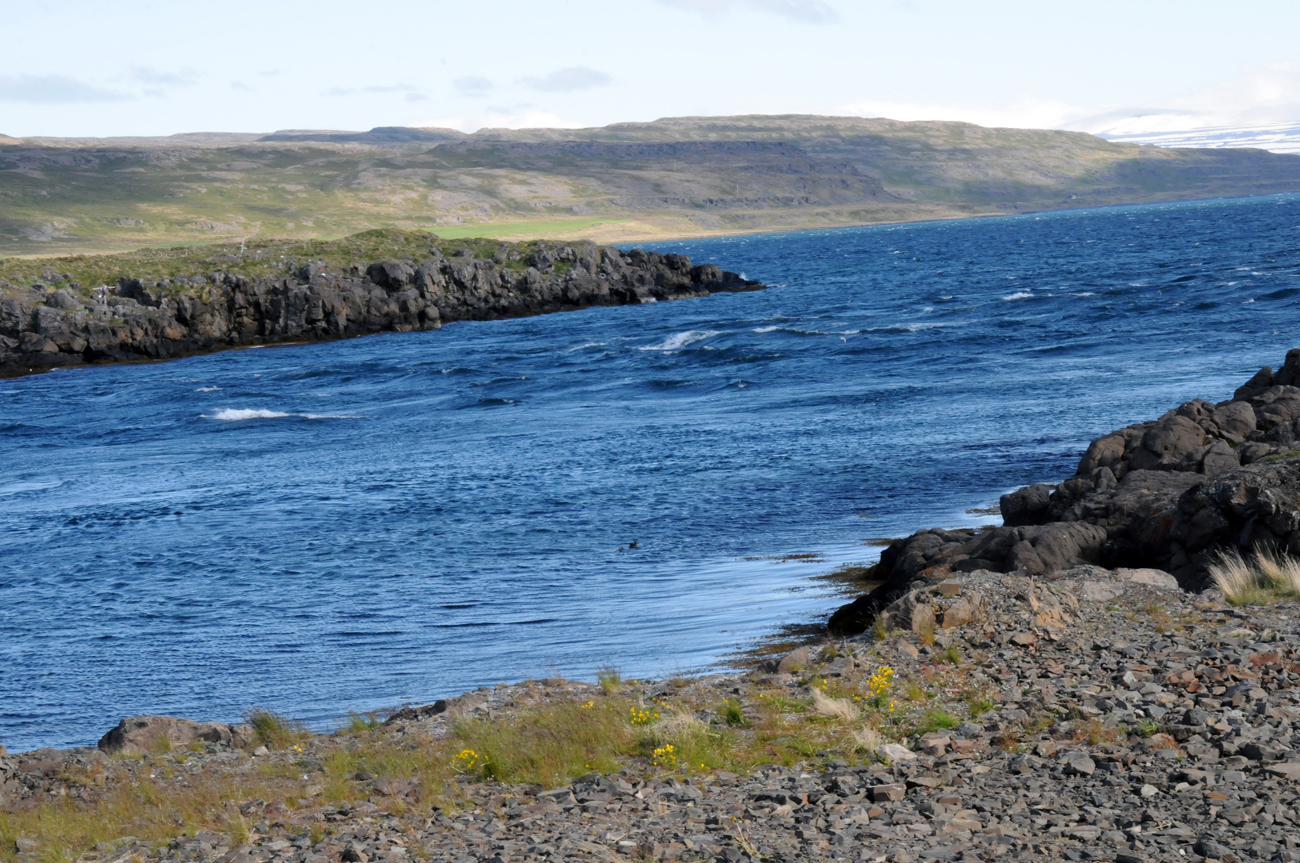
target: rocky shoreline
58 322
1091 715
1168 494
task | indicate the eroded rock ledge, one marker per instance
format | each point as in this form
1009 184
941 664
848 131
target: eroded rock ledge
133 320
1165 494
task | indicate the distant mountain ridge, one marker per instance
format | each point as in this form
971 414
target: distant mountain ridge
377 135
684 176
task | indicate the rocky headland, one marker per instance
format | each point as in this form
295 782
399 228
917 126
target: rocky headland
1168 494
56 320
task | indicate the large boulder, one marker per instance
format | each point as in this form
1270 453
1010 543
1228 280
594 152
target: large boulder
142 735
392 275
1029 505
1170 444
1257 506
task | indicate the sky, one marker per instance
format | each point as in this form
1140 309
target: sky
158 67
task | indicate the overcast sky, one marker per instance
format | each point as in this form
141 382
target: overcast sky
157 67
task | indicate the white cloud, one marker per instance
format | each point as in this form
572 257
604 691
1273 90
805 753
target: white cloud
52 90
503 118
159 78
808 11
1021 113
568 80
473 85
410 92
1257 97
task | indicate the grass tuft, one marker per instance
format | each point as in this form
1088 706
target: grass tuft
1095 732
1145 728
936 719
950 654
1267 577
979 703
360 723
834 708
732 715
866 741
610 680
275 731
1280 570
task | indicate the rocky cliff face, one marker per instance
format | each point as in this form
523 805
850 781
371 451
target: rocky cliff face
1167 494
42 328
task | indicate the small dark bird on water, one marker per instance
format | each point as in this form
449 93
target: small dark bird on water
634 544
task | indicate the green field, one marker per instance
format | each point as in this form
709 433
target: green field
256 258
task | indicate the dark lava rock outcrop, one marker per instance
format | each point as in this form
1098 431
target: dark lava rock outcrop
1165 494
41 328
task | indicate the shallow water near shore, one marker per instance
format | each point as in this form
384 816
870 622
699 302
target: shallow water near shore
345 526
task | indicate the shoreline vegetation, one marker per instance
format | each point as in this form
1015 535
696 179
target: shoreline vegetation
1071 711
624 183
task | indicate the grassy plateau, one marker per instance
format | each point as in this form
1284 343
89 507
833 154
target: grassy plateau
691 176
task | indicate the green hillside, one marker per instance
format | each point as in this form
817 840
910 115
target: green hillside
674 177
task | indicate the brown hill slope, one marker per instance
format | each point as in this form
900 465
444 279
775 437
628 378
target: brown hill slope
673 177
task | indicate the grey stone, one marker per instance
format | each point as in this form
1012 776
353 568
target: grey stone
1080 764
141 735
795 660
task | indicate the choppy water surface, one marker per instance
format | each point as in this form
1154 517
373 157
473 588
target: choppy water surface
344 526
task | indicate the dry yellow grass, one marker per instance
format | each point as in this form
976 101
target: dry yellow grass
1267 576
866 741
835 708
1281 571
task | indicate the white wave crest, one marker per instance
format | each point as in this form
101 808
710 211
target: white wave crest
765 329
681 340
207 389
235 414
239 414
1019 295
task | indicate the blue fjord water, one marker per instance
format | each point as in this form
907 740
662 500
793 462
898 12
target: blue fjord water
334 527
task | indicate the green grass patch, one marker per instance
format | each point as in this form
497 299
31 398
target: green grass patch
936 719
275 731
187 268
519 229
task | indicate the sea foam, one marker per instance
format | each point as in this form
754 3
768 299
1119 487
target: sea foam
681 340
238 414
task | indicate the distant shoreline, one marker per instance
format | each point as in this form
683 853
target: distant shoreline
675 178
